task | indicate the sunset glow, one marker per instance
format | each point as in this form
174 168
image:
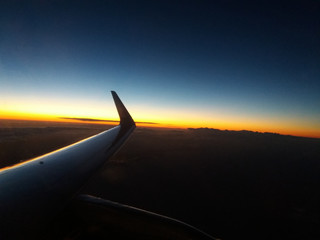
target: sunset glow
163 120
177 67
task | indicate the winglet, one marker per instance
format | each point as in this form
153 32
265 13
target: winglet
125 117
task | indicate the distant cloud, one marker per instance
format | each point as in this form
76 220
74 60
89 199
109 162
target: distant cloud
99 120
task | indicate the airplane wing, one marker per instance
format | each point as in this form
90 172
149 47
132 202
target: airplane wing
43 191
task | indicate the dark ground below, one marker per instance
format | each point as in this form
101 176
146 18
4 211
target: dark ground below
231 184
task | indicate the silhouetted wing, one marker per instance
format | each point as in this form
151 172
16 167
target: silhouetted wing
38 198
34 192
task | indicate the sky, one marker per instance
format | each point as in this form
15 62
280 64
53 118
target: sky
252 65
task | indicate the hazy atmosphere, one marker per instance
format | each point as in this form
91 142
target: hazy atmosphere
221 64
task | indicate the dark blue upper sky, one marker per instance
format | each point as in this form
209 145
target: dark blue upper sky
246 58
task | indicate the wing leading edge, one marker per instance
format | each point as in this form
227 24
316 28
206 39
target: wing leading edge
34 192
41 194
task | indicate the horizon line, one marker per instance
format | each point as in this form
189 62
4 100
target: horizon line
152 125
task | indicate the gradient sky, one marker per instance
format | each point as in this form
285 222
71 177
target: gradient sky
222 64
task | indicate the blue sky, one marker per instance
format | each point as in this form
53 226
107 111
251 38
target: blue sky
210 60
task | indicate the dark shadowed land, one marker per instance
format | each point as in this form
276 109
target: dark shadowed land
232 184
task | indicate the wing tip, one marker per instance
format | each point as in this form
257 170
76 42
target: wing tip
125 117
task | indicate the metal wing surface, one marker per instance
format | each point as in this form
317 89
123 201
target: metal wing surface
40 198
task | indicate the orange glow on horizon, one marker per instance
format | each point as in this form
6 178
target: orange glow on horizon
285 129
